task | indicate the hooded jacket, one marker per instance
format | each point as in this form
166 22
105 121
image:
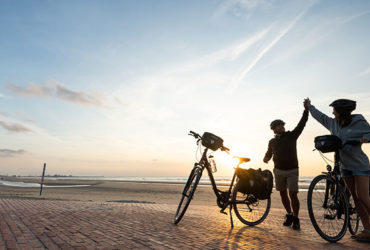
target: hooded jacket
351 156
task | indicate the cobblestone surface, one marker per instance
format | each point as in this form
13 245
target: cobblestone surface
48 224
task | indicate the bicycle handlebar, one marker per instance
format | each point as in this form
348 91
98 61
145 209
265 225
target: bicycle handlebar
197 136
227 150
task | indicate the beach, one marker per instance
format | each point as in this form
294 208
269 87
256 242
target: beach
136 215
110 191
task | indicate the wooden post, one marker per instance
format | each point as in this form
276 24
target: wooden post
42 178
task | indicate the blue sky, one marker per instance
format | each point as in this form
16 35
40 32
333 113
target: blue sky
112 87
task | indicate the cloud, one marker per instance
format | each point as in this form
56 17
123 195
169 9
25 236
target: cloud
80 97
31 90
14 127
4 152
363 73
240 7
58 90
229 53
235 82
119 101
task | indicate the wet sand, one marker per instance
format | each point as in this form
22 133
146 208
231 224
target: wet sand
103 191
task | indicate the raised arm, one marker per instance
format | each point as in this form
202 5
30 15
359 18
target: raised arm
301 124
325 120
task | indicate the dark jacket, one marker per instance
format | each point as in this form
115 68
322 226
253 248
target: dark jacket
283 148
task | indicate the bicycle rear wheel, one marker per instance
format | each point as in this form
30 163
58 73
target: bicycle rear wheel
354 219
328 214
248 209
187 193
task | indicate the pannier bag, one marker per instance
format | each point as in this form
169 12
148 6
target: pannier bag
328 143
211 141
256 182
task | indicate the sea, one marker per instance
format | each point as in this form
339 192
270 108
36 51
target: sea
304 181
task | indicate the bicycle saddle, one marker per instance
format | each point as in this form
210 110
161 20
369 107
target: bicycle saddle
242 159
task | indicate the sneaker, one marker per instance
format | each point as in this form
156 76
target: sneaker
288 220
296 225
364 236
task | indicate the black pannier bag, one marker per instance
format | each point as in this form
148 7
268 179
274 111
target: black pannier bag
328 143
212 141
256 182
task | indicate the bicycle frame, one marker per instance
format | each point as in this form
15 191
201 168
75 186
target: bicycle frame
221 196
339 185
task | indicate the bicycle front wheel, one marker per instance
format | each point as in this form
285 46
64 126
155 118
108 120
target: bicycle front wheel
327 208
187 193
354 219
250 210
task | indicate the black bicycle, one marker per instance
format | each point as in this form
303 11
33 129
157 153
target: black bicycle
249 210
330 205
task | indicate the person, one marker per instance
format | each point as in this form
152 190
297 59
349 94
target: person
354 164
283 149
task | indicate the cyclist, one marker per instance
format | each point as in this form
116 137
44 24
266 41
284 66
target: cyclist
354 165
283 149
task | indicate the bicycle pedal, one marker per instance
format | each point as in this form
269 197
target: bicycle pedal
223 212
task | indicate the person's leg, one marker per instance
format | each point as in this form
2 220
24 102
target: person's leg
295 202
362 191
351 184
281 186
292 182
286 201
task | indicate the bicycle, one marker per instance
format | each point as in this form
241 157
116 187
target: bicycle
330 204
249 210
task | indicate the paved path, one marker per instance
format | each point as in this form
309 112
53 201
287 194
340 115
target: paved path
48 224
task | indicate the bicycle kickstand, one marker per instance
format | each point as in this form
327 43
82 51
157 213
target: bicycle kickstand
231 217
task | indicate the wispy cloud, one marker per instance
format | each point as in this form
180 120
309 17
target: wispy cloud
240 7
4 152
354 16
54 88
77 97
14 127
229 53
235 82
31 90
363 73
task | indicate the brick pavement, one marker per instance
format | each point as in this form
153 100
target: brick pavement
50 224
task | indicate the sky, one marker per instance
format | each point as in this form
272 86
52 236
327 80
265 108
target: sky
111 88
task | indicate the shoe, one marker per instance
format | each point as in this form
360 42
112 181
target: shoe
288 220
296 225
364 236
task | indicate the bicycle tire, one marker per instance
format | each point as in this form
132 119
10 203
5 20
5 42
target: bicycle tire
322 217
354 218
248 209
188 193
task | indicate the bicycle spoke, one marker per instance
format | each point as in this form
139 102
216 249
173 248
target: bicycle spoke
330 219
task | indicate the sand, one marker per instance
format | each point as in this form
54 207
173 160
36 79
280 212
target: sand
119 191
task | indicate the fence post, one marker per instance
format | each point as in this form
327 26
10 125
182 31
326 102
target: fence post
42 178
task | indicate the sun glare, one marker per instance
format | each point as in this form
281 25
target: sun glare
229 160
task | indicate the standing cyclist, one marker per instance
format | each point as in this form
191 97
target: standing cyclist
354 164
283 149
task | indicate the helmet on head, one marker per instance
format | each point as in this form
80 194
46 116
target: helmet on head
344 104
276 123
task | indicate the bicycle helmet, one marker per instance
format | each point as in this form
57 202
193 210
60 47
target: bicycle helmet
344 104
275 123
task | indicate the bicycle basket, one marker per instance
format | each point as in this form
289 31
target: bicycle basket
328 143
211 141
